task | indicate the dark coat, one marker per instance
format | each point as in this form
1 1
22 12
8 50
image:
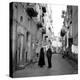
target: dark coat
49 55
41 58
49 52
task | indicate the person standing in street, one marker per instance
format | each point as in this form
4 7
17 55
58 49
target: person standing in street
41 61
49 55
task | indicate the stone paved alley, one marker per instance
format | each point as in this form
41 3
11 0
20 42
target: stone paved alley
60 66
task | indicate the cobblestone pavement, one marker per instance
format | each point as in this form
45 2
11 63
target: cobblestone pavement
60 66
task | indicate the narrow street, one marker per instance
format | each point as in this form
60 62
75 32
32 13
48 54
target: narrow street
60 66
39 30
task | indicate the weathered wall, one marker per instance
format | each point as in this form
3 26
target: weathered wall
21 25
75 25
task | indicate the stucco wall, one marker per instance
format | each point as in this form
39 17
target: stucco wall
22 26
75 25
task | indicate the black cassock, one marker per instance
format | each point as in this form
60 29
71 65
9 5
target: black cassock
41 62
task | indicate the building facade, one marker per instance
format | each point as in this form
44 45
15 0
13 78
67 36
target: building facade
70 27
28 25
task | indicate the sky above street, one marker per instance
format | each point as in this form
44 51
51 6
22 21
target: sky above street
56 16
